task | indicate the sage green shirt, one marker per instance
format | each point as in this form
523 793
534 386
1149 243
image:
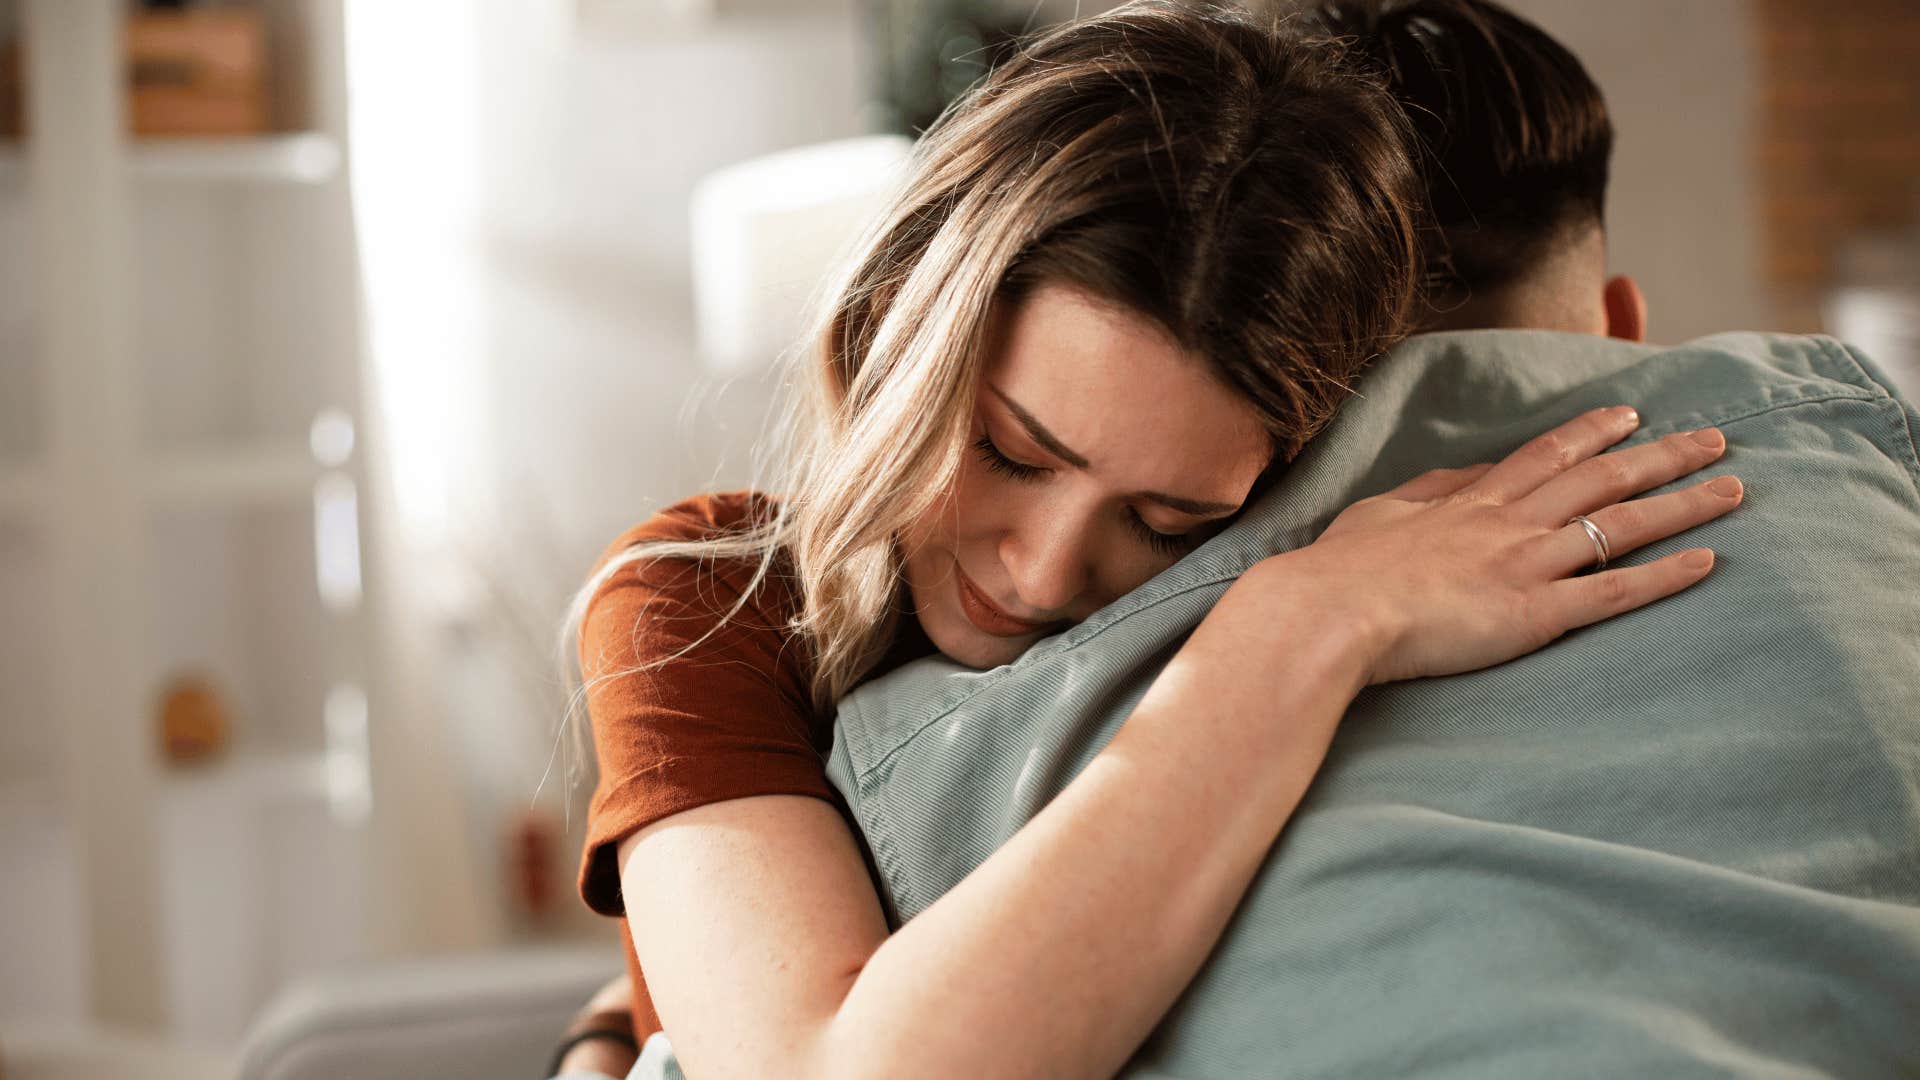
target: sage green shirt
1682 842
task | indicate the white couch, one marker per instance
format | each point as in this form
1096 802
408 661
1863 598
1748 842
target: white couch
483 1016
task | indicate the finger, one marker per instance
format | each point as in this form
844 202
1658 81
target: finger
1580 601
1549 454
1629 526
1438 483
1610 478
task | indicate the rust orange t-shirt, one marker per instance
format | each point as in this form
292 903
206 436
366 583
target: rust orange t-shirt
731 718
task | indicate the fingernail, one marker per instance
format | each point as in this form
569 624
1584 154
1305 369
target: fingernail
1709 438
1697 559
1628 415
1728 486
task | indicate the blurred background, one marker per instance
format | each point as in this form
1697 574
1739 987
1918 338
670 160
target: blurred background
339 337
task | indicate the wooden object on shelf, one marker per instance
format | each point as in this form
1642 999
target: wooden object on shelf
13 81
194 723
532 869
197 72
194 72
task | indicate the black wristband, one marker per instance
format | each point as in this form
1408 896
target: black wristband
625 1039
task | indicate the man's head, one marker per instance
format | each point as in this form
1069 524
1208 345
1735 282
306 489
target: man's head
1517 140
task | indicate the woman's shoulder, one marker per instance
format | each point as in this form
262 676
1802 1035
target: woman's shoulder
698 517
694 590
692 697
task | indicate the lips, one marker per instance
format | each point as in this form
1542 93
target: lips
988 616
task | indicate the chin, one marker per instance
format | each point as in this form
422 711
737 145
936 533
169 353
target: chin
957 638
977 650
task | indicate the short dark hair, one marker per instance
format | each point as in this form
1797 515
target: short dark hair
1515 134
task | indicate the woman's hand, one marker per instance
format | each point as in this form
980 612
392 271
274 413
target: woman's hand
1460 569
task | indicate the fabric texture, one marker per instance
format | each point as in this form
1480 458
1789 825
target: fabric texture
1681 842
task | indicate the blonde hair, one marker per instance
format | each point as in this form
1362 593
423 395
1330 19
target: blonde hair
1217 173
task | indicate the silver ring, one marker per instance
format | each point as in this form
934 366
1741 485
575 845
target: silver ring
1600 549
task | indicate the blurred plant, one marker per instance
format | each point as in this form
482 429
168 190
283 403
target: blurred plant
508 581
931 51
513 585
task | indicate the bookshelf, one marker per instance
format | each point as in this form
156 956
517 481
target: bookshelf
290 158
180 496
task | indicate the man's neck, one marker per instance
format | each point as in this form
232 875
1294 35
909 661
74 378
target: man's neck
1562 291
1504 310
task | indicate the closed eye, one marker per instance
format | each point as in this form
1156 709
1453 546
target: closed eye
1170 544
1164 543
1001 463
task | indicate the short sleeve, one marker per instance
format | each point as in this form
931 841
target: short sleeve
728 719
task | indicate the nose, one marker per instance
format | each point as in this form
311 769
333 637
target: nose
1049 559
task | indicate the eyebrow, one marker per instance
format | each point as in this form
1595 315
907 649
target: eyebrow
1058 449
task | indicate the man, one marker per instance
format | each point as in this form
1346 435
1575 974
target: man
1683 841
1518 143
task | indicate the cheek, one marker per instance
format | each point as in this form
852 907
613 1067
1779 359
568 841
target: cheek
977 499
933 527
981 507
986 508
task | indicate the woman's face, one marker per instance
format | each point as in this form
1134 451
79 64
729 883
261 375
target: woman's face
1101 453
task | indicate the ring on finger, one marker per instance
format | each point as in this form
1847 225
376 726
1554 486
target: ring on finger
1601 550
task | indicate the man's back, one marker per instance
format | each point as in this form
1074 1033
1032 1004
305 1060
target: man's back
1685 837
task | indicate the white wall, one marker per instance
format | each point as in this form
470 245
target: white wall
523 197
587 163
1683 209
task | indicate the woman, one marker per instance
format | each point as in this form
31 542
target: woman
1130 276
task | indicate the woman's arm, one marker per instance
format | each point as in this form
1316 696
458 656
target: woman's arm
763 940
767 953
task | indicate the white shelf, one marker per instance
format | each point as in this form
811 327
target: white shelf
233 475
136 450
240 778
301 157
334 781
217 477
250 779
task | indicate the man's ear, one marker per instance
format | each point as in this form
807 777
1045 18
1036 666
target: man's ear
1626 309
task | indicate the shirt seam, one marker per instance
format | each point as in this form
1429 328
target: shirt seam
864 772
1852 358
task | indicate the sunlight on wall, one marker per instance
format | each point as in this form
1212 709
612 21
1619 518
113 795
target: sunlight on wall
412 86
413 80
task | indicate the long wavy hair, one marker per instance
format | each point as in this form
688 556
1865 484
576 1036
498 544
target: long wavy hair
1220 173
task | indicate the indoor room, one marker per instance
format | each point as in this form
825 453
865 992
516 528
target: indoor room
351 351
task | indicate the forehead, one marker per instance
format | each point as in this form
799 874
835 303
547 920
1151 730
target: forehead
1114 387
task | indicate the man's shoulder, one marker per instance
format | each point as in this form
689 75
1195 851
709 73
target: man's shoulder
1725 361
1811 382
1755 371
1809 609
1807 393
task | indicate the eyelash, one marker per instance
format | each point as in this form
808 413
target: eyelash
1164 543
